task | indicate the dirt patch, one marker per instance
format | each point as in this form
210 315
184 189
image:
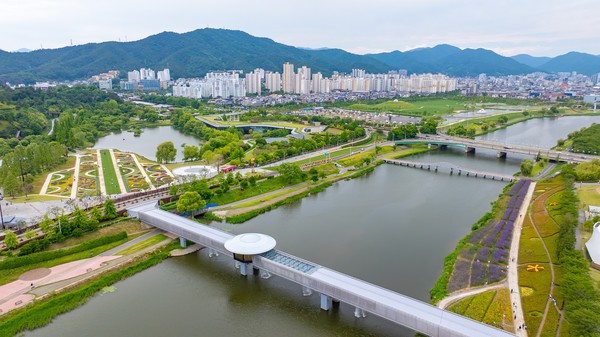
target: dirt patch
35 274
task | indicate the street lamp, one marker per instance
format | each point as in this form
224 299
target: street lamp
1 215
21 166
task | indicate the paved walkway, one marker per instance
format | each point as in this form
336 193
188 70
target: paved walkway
458 295
50 280
75 177
144 173
513 264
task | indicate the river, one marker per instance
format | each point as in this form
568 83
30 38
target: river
392 227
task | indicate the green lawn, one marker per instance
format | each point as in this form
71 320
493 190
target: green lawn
143 245
110 176
589 195
261 187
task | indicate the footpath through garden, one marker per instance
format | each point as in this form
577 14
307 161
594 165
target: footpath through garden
513 264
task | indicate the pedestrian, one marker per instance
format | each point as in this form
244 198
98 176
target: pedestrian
31 285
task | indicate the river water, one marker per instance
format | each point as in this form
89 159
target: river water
392 227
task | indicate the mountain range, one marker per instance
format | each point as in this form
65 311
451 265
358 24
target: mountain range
194 53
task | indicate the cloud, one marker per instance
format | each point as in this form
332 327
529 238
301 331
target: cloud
552 26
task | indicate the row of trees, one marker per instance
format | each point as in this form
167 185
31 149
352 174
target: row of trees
582 308
63 226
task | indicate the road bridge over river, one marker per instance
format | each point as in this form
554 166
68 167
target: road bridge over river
333 286
502 149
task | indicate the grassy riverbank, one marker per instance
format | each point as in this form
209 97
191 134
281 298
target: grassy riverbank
43 311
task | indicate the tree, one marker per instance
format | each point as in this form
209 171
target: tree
11 240
10 184
110 211
166 152
30 234
190 152
526 167
291 173
190 202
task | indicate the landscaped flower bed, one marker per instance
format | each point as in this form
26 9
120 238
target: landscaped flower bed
88 177
158 174
484 257
61 183
132 177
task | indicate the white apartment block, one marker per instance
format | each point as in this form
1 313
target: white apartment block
215 84
164 75
272 81
288 81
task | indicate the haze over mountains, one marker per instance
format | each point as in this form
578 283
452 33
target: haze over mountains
194 53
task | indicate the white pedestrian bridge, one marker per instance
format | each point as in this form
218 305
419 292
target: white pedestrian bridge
333 286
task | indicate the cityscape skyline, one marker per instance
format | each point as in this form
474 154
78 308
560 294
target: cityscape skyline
516 27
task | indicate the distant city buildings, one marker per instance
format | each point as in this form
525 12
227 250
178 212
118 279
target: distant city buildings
214 84
304 82
146 79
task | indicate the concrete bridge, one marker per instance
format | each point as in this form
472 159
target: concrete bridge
502 150
333 287
452 169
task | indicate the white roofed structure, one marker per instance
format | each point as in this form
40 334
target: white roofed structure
250 244
593 244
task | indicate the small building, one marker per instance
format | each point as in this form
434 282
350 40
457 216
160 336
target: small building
593 246
594 211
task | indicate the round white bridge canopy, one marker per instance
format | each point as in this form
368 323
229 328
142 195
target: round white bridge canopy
250 244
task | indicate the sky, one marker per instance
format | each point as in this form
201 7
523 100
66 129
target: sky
508 27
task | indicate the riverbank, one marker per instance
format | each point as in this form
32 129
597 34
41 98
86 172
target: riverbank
41 294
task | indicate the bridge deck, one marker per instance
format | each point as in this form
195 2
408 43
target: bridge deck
290 261
398 308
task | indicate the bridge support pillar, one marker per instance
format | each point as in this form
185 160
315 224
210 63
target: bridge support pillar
265 274
306 291
212 253
243 268
501 154
358 312
183 242
325 302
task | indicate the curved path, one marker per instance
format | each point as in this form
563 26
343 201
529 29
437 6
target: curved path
460 294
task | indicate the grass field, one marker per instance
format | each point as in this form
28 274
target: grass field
427 107
110 176
589 194
143 245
